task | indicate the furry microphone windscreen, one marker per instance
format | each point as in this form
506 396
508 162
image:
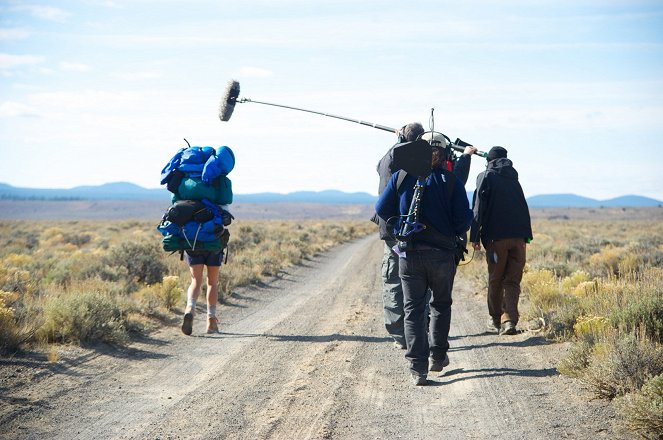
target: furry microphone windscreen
228 101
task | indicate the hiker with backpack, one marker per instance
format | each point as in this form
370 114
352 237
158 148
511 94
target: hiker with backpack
392 290
196 223
425 264
502 223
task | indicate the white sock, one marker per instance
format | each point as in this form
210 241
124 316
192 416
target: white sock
191 305
211 311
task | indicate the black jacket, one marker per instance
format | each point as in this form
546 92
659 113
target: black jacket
461 168
499 205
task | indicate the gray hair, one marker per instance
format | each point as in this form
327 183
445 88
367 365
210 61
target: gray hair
412 131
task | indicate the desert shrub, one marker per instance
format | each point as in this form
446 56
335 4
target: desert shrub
60 273
577 359
13 279
560 322
586 288
170 292
77 239
9 340
247 236
153 299
542 290
607 260
591 326
622 365
642 412
643 313
141 260
147 300
83 317
570 282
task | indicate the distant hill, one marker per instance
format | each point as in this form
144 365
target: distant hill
130 191
574 201
108 191
329 196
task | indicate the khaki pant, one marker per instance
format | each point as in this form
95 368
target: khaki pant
506 261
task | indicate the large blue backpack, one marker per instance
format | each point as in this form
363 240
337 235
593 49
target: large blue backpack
197 177
197 173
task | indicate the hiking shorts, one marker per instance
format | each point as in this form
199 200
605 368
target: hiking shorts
207 258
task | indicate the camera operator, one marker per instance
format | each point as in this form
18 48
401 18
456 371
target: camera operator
444 208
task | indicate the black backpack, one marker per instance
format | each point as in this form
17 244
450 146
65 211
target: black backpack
184 211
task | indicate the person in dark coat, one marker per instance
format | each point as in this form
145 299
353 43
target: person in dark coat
502 223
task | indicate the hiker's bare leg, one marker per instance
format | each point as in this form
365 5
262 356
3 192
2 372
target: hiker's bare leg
196 283
212 289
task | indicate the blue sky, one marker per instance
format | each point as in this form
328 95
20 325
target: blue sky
97 91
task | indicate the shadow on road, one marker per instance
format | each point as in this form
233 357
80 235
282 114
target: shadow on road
504 342
494 372
309 338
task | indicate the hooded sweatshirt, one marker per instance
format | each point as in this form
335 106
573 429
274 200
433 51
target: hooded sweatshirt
499 206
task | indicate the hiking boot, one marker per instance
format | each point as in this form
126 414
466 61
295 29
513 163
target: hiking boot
439 365
418 379
187 323
508 328
493 325
400 345
212 324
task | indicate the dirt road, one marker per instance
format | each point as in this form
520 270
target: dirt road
304 357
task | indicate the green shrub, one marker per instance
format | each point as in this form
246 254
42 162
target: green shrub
60 274
642 412
644 313
170 293
77 239
577 359
83 318
142 261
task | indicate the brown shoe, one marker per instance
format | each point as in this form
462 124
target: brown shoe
212 324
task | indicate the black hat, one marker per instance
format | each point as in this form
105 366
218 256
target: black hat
496 153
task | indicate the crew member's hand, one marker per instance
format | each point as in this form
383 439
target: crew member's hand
476 245
470 149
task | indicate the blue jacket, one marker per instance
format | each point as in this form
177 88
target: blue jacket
451 216
204 163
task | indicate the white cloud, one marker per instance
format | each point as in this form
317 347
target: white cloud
9 61
13 34
138 76
104 3
10 109
254 72
44 12
74 67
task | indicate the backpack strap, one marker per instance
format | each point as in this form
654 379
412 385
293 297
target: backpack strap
402 174
449 177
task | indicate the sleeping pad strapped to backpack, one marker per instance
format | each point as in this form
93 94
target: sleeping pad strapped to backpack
197 177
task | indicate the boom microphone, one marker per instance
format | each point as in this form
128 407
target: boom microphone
228 101
231 97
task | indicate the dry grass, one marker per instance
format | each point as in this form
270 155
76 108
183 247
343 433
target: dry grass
89 281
